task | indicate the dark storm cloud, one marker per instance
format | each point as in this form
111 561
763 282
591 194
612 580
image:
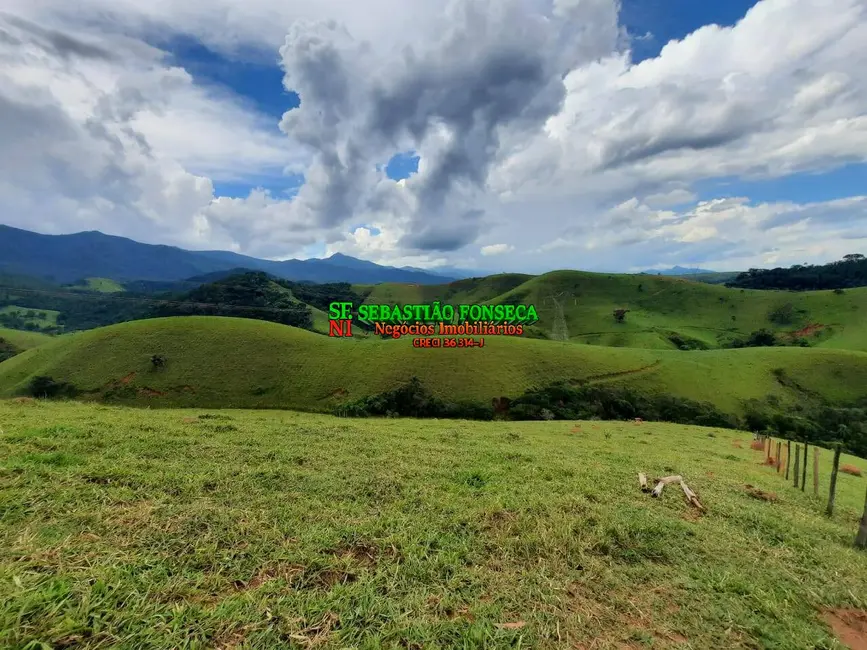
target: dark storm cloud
62 44
497 70
446 236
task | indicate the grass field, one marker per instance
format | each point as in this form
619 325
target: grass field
98 285
40 317
227 362
582 304
126 528
23 340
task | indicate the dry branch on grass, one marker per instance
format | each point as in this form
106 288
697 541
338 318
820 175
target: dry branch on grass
663 482
691 497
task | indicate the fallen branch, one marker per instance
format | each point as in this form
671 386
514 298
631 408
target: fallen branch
691 497
642 481
657 491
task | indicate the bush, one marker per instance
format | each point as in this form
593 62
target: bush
47 387
414 400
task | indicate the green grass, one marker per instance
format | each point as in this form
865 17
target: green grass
227 362
582 304
126 528
41 317
24 340
98 285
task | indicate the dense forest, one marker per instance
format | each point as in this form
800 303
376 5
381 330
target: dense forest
849 272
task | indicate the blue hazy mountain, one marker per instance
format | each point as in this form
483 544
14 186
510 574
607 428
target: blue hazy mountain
68 258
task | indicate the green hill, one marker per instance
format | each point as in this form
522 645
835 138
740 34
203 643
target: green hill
228 362
132 528
663 311
97 285
24 340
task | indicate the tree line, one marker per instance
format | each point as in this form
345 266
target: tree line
851 271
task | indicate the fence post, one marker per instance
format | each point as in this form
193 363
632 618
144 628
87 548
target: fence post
797 472
804 475
829 511
815 471
770 443
861 538
788 457
779 458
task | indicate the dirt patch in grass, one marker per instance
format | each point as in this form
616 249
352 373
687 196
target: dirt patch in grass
127 379
809 330
757 445
760 494
849 626
267 574
850 469
145 391
360 553
737 444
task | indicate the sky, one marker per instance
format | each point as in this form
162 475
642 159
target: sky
498 135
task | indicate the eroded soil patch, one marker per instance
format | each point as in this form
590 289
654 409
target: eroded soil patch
849 626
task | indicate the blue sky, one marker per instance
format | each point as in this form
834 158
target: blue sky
729 148
251 77
255 77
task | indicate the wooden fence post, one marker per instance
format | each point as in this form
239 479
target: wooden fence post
804 475
797 472
815 471
788 457
833 492
779 454
770 443
861 538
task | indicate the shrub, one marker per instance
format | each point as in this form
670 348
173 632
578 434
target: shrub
47 387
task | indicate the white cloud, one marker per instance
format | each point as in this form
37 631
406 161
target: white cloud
538 133
496 249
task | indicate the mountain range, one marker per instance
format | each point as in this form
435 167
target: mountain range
69 258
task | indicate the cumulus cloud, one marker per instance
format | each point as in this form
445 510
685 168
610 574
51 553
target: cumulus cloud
102 133
496 249
495 73
534 128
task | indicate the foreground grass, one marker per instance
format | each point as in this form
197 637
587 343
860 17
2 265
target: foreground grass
183 529
231 362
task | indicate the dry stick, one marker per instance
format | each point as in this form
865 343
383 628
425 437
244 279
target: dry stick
829 511
861 537
815 471
804 476
797 471
663 482
788 457
691 497
642 481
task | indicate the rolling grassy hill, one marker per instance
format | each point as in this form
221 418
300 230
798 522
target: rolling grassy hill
228 362
24 340
186 529
578 307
